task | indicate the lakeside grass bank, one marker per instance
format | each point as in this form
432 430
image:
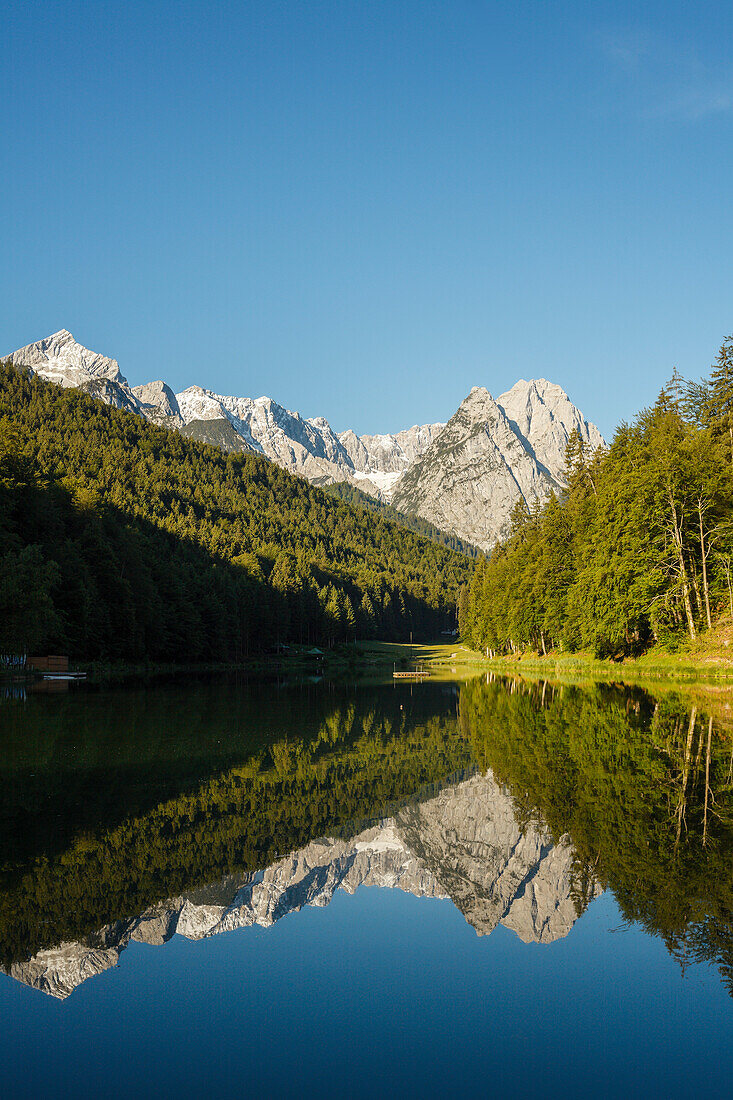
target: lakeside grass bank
707 686
457 659
706 663
707 659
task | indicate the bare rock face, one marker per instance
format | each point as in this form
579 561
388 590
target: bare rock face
60 359
473 473
464 844
495 873
61 969
464 476
491 454
545 417
159 403
382 459
310 447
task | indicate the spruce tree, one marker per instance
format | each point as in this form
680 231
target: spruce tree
721 392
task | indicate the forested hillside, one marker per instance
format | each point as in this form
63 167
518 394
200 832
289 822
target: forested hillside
638 549
122 540
343 491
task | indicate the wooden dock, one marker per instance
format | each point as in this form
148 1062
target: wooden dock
415 674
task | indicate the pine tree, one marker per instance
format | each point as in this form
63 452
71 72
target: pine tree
349 617
367 616
721 392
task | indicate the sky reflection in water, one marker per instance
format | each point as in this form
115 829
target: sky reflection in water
380 992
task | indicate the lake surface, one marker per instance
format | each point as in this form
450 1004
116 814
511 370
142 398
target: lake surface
490 888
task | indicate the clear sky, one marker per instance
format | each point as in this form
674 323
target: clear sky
364 209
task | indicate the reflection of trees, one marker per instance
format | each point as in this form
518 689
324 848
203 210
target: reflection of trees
643 787
355 756
104 812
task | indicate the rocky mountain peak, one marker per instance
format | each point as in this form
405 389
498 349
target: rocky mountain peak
545 417
491 453
196 403
160 397
61 359
477 412
477 397
463 476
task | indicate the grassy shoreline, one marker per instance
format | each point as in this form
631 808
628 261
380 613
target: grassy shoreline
374 660
703 665
649 667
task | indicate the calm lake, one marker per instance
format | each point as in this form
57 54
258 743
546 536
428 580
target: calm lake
487 888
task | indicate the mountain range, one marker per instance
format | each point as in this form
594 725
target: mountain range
463 476
464 844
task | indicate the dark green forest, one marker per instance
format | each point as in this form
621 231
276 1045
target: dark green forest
643 786
637 550
355 497
120 540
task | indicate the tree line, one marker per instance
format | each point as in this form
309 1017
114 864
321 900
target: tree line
121 540
636 550
352 495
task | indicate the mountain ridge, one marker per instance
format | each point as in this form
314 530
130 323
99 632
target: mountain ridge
466 482
472 475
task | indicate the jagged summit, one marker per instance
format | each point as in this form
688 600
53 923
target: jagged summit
473 473
545 417
160 397
491 453
60 358
463 476
477 403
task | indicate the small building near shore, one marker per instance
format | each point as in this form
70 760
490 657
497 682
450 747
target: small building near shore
54 663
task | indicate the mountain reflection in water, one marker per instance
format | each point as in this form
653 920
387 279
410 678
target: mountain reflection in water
464 844
218 806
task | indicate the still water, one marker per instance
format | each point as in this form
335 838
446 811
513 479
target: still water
492 888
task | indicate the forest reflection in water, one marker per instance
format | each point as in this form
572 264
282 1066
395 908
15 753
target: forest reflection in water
137 813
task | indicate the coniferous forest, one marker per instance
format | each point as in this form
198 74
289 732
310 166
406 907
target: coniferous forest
637 550
120 540
343 491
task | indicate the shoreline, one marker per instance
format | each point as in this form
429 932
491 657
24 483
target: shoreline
367 660
653 666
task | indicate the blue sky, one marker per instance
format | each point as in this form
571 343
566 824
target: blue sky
364 209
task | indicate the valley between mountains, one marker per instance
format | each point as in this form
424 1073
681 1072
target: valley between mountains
464 476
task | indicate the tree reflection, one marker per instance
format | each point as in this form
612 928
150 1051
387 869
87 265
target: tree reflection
643 786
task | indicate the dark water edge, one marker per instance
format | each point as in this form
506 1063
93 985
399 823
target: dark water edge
248 812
